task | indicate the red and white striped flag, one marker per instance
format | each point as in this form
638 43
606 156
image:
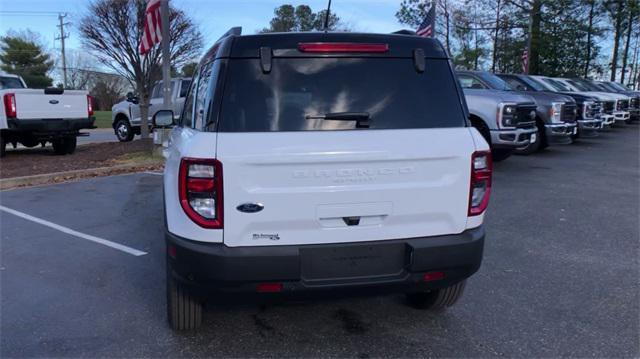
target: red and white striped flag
525 62
152 33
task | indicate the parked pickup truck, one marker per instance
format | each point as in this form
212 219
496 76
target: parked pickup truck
300 178
32 117
126 114
614 87
587 107
621 110
607 103
555 115
505 119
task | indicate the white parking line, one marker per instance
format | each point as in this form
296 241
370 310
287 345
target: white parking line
70 231
154 173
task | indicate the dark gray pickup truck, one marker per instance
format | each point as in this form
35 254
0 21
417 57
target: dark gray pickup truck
555 114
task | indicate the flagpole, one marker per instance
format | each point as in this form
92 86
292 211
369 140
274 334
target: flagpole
166 61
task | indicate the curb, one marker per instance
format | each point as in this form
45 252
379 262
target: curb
57 177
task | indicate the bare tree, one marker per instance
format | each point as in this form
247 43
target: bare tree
113 29
107 89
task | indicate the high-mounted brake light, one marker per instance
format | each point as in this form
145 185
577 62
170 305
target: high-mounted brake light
10 109
334 47
480 184
200 191
90 105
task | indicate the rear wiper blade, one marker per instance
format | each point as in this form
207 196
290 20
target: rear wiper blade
341 116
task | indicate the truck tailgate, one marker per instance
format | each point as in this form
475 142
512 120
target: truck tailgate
35 104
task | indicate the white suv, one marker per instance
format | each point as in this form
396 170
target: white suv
306 163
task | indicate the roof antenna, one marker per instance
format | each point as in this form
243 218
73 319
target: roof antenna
326 17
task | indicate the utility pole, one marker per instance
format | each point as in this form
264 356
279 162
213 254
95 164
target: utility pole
61 38
166 55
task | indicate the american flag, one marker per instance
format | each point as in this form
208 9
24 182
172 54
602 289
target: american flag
525 61
426 29
152 33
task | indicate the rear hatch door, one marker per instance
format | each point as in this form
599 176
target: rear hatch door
402 173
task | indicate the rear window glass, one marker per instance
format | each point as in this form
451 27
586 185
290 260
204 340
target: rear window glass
10 83
390 90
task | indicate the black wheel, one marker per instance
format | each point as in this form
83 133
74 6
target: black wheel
65 145
184 310
500 154
123 130
3 146
70 145
437 299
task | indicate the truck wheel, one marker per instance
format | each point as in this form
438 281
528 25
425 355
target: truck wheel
124 132
70 145
437 299
3 146
65 145
184 309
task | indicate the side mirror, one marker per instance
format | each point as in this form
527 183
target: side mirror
163 119
132 98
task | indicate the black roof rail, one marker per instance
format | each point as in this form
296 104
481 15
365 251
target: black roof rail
234 31
404 32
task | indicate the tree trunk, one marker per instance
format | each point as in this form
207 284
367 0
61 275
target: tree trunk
144 115
616 39
536 20
589 31
625 54
495 38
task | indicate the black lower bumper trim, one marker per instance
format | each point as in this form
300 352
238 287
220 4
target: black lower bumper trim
50 125
392 265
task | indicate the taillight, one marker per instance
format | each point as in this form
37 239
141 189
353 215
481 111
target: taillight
90 105
341 47
480 186
10 105
200 191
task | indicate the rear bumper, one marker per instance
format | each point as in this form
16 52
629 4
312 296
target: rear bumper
381 266
560 133
511 138
50 125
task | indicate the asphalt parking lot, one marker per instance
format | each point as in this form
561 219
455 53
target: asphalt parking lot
560 275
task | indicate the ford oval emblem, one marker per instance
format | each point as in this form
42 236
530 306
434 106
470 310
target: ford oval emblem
250 207
54 102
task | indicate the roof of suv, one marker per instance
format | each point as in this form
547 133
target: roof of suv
286 44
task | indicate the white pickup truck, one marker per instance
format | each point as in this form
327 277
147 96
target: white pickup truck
35 116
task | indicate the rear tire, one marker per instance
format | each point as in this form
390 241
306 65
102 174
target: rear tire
65 145
3 146
437 299
123 131
184 310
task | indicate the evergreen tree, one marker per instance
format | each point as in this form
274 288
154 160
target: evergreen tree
302 18
25 57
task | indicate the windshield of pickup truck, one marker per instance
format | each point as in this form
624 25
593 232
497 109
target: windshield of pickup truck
559 86
311 94
495 82
7 82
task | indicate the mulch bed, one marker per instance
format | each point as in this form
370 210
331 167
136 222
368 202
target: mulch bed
34 161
